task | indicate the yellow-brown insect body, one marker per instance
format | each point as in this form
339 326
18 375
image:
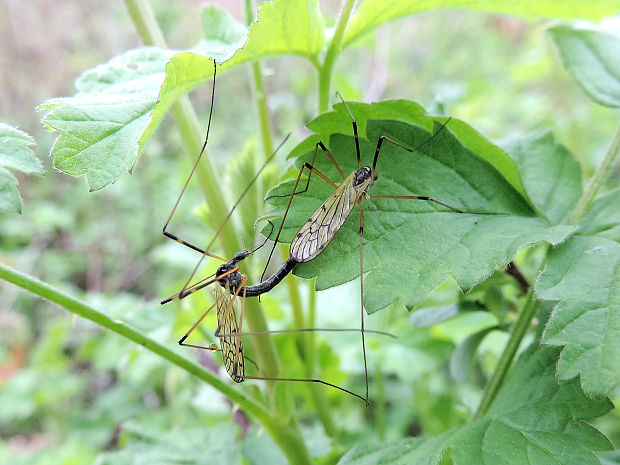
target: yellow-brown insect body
327 220
228 332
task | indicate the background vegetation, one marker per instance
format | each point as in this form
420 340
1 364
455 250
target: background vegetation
79 390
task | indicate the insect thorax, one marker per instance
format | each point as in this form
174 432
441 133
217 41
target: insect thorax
362 175
231 281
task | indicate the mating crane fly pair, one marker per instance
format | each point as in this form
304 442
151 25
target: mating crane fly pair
307 244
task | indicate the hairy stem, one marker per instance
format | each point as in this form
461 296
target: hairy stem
259 92
503 365
335 45
83 310
184 114
599 178
307 344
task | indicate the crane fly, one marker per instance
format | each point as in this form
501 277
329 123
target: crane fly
323 225
232 290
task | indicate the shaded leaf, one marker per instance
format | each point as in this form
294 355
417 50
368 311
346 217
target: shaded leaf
591 58
15 154
411 246
464 356
551 175
534 420
603 218
583 276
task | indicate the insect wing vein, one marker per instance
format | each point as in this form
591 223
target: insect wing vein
230 341
324 223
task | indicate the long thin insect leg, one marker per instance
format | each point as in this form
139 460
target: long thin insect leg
229 215
362 298
354 123
206 252
227 329
191 173
430 199
211 347
309 380
197 286
307 330
310 167
382 138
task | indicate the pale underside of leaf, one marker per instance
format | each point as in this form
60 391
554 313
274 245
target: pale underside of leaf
105 127
16 154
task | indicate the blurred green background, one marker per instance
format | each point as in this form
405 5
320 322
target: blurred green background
70 391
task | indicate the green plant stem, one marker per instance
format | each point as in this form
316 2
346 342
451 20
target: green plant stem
184 114
292 283
288 439
307 343
259 92
79 308
380 403
334 48
600 176
503 365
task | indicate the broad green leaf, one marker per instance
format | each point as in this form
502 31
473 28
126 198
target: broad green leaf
411 246
101 127
105 126
284 27
582 275
373 13
15 154
591 58
534 420
551 175
603 218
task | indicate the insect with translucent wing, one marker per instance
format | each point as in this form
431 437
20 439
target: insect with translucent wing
323 225
229 277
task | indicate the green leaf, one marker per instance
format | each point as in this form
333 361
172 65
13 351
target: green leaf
591 58
373 13
223 34
284 27
101 128
410 112
551 175
603 218
534 420
411 246
582 275
16 154
464 357
119 104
